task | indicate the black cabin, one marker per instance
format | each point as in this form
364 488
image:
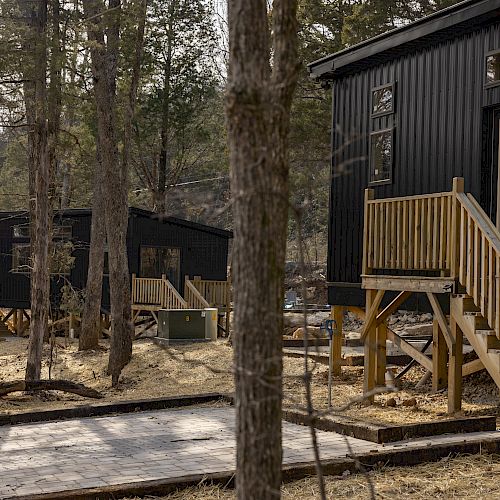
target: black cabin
412 109
155 246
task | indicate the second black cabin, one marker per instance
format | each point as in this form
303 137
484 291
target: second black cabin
156 246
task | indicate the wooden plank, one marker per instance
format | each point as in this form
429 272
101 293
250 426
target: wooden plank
441 319
470 256
415 197
472 367
380 357
418 228
394 233
424 234
484 275
417 284
455 369
458 187
372 312
427 260
399 235
491 287
370 346
375 236
381 241
497 294
449 233
477 265
463 244
435 232
388 235
405 245
392 307
412 351
439 358
411 234
442 235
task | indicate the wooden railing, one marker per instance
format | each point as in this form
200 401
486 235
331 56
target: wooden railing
193 297
156 292
408 233
479 258
446 232
215 292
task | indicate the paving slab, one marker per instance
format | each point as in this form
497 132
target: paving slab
44 458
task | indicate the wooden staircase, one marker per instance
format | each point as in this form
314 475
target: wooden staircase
440 243
476 329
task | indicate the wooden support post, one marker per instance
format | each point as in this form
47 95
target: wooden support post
71 326
369 195
439 358
458 187
19 323
455 369
380 360
337 315
14 321
370 348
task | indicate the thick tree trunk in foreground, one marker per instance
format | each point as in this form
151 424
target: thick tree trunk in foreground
36 111
258 107
91 314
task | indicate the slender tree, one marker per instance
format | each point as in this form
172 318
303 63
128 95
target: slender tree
39 173
258 102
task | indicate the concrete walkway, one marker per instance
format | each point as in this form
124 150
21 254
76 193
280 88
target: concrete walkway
98 452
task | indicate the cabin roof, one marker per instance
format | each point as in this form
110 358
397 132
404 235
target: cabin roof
449 22
134 212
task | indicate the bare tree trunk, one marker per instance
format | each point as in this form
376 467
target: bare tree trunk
104 52
258 104
91 314
38 159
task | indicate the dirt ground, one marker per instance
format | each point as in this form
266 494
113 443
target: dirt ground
207 367
461 477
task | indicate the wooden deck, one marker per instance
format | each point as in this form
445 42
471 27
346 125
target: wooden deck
149 295
439 243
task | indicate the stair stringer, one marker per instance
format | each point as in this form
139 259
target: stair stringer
490 361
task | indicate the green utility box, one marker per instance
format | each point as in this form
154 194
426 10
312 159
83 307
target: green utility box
187 324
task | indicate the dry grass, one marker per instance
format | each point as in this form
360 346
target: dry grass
201 368
461 477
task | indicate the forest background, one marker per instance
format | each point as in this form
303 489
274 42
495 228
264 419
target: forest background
179 158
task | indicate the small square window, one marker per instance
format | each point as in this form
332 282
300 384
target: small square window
62 231
381 154
21 231
383 100
493 68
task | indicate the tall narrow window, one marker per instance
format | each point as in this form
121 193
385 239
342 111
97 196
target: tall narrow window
381 154
21 258
493 69
383 100
156 261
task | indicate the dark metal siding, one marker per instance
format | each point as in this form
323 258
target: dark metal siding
439 105
202 253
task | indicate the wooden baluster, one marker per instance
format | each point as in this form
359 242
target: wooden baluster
367 232
405 245
435 233
428 256
442 235
470 256
423 233
491 287
418 228
463 245
411 233
484 275
449 233
477 264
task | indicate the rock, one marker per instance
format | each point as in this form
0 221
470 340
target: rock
424 318
391 402
312 331
410 402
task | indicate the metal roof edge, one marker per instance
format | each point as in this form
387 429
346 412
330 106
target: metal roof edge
324 68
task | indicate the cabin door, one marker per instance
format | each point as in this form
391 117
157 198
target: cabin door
490 180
